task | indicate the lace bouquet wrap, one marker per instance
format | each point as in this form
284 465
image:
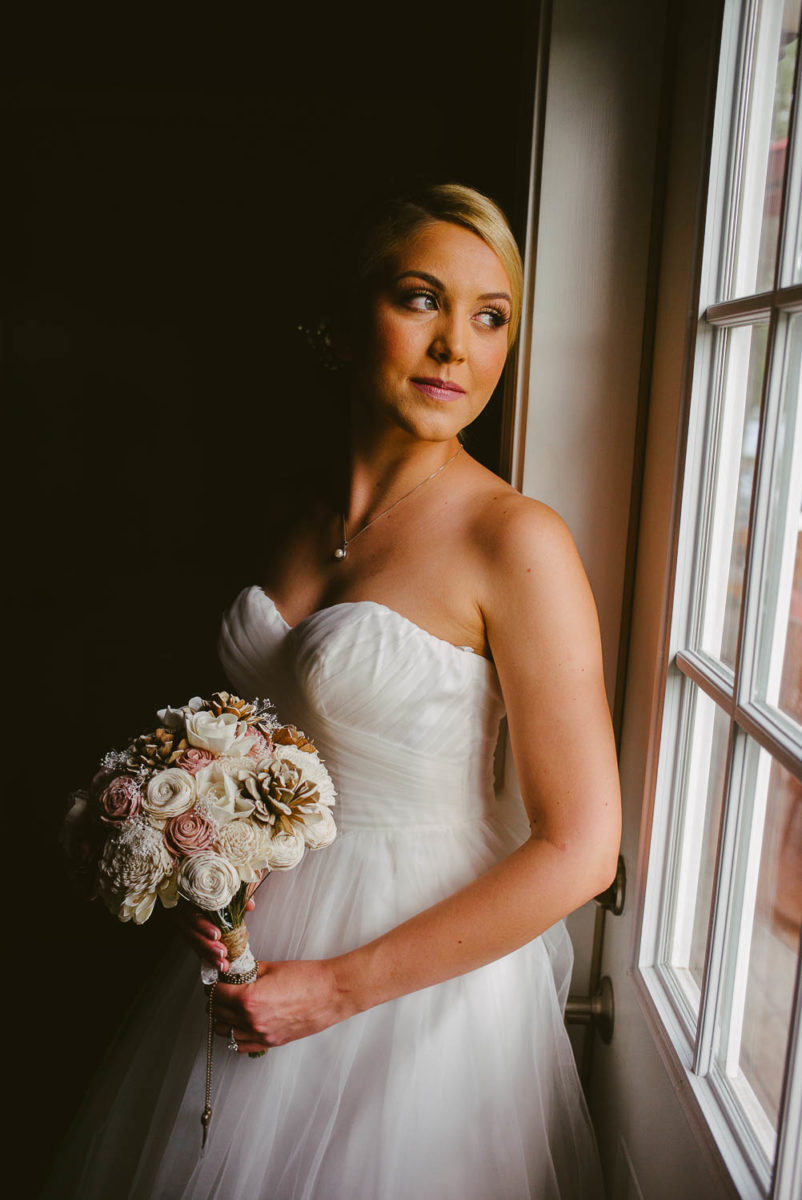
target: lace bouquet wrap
202 807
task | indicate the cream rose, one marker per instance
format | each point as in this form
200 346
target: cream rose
241 843
207 880
134 866
220 794
168 793
318 829
283 850
222 735
311 768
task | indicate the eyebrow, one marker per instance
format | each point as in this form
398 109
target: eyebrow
435 282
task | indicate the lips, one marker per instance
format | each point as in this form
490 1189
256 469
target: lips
438 389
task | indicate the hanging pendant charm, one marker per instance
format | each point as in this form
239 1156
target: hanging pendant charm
342 550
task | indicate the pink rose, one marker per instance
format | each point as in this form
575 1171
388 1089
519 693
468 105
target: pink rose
120 800
194 760
260 746
187 834
101 778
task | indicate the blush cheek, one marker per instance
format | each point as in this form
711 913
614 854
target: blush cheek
394 342
492 366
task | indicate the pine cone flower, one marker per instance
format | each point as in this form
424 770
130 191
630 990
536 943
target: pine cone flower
288 735
158 749
281 795
224 702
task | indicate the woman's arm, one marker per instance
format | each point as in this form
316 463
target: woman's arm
543 631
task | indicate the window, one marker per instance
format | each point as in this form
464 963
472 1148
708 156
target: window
720 947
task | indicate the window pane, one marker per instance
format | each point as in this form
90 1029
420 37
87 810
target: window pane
779 675
699 790
766 146
763 947
732 464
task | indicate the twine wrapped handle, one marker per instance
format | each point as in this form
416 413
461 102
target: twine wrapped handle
236 941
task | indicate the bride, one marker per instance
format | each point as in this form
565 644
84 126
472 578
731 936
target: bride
414 974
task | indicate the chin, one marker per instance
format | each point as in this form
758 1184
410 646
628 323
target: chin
436 428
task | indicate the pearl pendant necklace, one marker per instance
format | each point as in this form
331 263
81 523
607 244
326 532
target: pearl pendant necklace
341 553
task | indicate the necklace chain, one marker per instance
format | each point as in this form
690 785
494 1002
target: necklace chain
341 552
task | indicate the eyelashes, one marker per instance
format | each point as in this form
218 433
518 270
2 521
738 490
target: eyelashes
496 316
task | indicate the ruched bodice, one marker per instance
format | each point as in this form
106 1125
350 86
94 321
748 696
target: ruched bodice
407 723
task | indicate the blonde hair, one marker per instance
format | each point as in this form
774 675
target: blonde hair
453 202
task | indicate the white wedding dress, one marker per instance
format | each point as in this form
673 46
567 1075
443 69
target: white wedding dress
466 1090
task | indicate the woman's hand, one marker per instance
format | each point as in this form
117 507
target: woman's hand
203 935
288 1000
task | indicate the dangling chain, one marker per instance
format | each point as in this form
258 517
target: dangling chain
206 1115
342 551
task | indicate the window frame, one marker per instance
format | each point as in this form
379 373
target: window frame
691 1042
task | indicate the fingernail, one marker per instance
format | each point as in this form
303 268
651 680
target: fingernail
216 936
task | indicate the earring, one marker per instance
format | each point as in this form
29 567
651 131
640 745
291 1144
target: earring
318 337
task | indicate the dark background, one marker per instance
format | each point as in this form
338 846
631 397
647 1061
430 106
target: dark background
175 209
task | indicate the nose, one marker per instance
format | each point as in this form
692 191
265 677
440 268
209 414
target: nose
448 343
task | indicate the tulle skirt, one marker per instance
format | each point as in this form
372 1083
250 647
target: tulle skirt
466 1090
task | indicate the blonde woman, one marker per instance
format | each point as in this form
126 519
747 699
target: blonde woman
413 974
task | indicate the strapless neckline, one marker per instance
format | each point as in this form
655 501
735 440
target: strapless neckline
466 653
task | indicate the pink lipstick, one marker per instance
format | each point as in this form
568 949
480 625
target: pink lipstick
438 389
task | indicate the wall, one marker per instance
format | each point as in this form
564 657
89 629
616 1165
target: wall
177 199
580 398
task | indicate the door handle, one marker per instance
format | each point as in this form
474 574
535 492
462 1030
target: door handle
597 1011
612 898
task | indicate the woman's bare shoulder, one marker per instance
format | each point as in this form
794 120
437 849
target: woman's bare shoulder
527 570
506 523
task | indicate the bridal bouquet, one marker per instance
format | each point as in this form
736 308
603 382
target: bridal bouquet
202 807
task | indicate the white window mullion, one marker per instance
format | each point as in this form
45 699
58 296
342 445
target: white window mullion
732 112
744 885
699 488
726 437
753 181
756 565
790 490
724 899
694 791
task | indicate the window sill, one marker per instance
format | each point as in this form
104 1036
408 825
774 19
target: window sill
715 1120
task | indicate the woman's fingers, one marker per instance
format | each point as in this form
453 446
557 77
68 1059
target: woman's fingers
203 936
213 952
246 1043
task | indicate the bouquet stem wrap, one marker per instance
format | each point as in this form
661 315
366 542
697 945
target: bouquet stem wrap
241 960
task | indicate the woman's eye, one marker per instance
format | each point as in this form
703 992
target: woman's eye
420 301
493 318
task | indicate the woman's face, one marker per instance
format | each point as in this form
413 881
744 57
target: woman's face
435 338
